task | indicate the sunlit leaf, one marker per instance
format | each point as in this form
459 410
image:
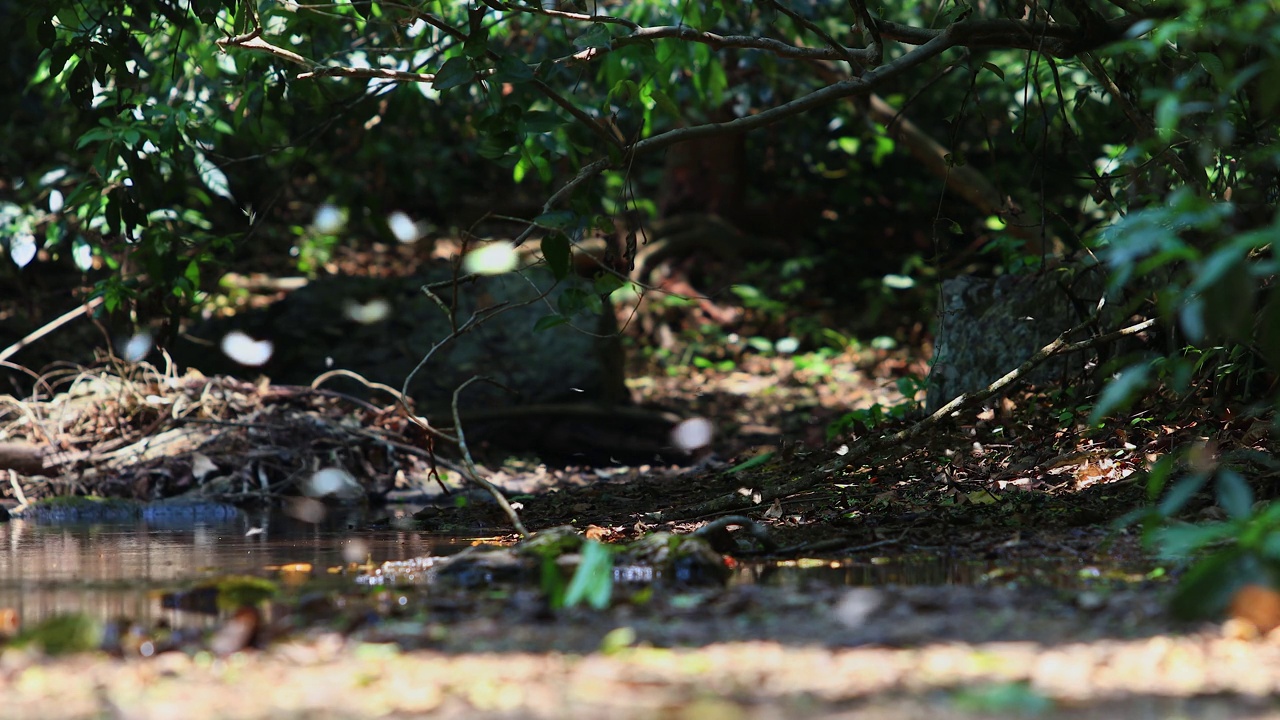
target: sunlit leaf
212 176
593 580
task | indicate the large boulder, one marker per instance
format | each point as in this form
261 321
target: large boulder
989 326
382 328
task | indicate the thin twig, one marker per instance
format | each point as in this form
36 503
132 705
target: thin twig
473 473
54 324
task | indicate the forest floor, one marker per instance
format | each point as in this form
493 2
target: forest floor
975 571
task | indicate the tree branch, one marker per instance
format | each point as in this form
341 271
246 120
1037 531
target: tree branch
719 42
1054 39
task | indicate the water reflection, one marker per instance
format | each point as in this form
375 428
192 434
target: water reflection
109 571
121 571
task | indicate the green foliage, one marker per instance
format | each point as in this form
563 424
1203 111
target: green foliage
1242 549
63 634
592 581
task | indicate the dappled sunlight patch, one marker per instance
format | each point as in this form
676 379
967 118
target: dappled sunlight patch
137 347
329 220
692 434
22 249
404 228
367 313
493 259
332 482
245 350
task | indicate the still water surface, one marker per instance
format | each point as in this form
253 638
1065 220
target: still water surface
113 571
121 570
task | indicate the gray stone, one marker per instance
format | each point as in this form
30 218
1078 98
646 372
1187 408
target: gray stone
989 326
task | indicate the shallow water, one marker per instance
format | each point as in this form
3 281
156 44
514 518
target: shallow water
121 570
112 571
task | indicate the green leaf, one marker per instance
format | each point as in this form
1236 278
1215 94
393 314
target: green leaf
664 102
597 36
555 249
1234 494
95 135
363 8
552 582
557 219
58 59
546 322
192 273
1209 585
1213 65
1181 541
606 283
625 91
477 44
46 34
1157 476
994 68
710 20
749 463
455 71
492 147
540 121
511 69
1121 391
573 300
1182 492
593 580
212 177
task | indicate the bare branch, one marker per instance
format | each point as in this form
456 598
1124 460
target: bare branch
1054 39
872 28
805 23
719 42
580 17
251 41
382 73
868 82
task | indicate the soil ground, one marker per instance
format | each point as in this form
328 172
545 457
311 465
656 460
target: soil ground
1045 607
